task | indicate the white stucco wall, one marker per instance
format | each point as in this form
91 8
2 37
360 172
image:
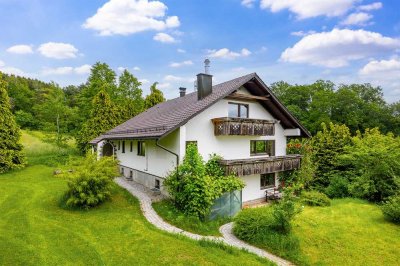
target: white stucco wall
252 190
201 129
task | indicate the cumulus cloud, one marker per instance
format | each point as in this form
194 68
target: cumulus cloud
136 68
339 46
388 69
67 70
181 51
309 8
20 49
164 37
228 54
13 71
163 85
373 6
58 50
144 81
172 78
126 17
359 19
183 63
248 3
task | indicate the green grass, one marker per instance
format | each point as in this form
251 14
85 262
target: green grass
36 230
349 232
170 214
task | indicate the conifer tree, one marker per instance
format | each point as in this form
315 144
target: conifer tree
104 116
11 155
155 97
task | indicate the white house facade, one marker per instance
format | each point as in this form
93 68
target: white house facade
240 120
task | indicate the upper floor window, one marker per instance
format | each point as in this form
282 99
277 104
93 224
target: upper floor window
262 147
141 151
123 146
238 110
131 149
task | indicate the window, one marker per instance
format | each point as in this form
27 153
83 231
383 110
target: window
130 173
123 146
131 146
267 180
141 148
238 110
194 142
262 147
119 145
157 184
122 171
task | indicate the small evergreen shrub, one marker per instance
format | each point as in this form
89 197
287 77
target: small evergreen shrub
284 212
315 198
391 209
90 183
338 187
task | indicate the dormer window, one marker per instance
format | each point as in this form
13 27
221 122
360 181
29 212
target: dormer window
238 110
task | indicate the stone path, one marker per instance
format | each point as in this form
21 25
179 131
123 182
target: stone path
146 198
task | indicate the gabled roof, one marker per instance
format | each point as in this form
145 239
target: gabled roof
165 117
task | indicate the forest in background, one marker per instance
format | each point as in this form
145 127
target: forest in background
70 111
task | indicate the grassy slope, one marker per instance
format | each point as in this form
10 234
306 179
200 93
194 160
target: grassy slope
167 211
34 230
350 232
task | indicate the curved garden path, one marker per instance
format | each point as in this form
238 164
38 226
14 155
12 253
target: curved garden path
150 214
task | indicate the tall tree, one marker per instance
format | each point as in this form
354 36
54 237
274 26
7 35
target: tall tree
129 95
102 77
104 116
155 97
11 155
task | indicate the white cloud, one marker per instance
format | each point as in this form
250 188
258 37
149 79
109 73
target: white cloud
20 49
337 47
12 71
163 85
2 63
248 3
359 19
126 17
84 69
373 6
310 8
228 54
181 51
165 38
58 50
136 68
81 70
172 78
388 69
183 63
121 69
302 33
144 81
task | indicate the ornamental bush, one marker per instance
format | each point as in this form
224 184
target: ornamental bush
315 198
391 209
194 185
90 182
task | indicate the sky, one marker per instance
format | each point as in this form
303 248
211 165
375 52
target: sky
297 41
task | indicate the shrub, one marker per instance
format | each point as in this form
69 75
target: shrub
315 198
194 185
284 212
90 183
338 187
391 209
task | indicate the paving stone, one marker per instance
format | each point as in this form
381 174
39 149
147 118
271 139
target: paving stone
146 197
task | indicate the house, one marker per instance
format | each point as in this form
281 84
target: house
240 120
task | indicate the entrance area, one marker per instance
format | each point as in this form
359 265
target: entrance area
108 149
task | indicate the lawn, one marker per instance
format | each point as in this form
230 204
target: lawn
36 230
350 232
170 214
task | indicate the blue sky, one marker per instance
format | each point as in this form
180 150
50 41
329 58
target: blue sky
298 41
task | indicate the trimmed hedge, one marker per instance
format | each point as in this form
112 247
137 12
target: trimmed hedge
315 198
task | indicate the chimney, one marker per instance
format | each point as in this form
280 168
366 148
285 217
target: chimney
182 91
204 81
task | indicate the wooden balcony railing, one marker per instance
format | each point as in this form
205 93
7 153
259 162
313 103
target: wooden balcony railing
243 126
261 165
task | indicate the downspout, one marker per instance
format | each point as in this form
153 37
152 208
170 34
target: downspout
165 149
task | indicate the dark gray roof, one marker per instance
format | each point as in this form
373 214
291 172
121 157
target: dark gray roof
167 116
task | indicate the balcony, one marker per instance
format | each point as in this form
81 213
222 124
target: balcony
243 126
261 165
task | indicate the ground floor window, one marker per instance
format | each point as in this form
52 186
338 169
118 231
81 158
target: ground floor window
141 148
157 184
130 173
267 180
122 171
